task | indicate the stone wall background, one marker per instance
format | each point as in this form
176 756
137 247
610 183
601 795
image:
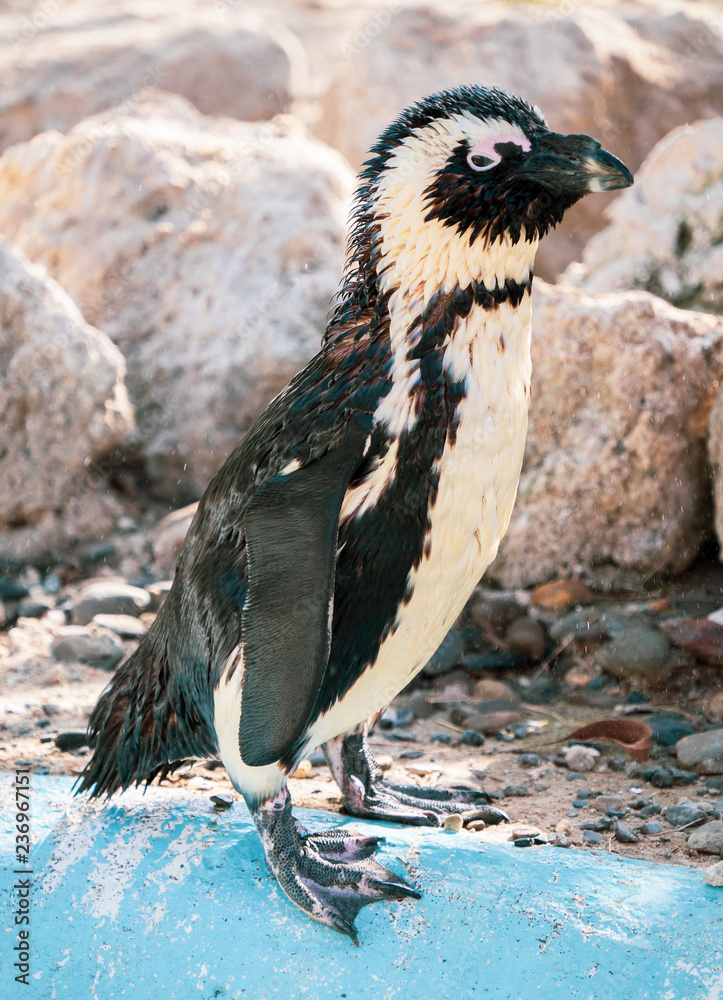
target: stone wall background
174 186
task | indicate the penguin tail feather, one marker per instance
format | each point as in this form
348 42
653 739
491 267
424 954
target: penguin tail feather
138 730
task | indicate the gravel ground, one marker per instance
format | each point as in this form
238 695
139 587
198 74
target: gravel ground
521 765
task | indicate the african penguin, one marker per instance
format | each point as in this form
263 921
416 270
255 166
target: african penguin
343 536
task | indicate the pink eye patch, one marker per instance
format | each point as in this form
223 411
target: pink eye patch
484 151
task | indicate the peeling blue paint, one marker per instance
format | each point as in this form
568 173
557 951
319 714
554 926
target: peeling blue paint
157 896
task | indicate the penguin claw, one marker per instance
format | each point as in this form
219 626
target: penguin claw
366 794
401 804
330 875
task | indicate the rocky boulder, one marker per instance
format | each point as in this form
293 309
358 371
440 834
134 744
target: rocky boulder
60 64
207 249
63 403
666 232
625 76
615 469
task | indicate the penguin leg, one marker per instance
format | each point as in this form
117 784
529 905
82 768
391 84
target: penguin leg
330 875
365 793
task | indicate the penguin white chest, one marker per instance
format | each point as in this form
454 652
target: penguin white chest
478 476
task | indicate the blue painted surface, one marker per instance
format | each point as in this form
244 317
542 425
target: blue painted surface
157 896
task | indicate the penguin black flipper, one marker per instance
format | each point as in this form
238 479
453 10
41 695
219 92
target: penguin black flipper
291 527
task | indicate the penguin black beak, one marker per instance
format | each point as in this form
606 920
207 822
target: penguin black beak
574 165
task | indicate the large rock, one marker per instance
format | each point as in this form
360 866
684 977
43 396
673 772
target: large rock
615 468
624 76
207 249
60 63
715 457
63 404
666 232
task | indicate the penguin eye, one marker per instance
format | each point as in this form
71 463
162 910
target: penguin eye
478 161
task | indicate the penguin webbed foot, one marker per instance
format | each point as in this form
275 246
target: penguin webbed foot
366 794
330 875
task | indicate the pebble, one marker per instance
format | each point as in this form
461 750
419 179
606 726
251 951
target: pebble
561 595
108 598
125 626
31 607
708 838
651 828
493 661
579 803
607 803
527 637
588 793
304 769
68 742
714 875
454 822
714 708
650 810
529 760
449 654
11 590
580 758
476 825
530 841
401 736
445 738
572 813
617 763
522 830
487 689
494 614
590 837
599 825
702 751
561 840
56 675
701 638
668 728
683 813
384 761
419 705
222 800
661 778
624 834
542 691
515 791
97 651
471 738
411 754
580 624
637 698
490 718
638 652
97 551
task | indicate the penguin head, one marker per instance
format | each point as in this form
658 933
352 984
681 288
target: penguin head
476 165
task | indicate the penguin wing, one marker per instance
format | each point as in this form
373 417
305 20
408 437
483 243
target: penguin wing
291 527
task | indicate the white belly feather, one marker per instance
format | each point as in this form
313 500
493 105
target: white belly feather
478 478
